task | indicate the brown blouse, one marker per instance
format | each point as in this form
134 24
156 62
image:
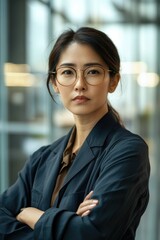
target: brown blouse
67 161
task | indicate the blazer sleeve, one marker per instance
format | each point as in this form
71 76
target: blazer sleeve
16 197
122 191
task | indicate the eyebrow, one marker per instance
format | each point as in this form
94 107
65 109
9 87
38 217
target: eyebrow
85 65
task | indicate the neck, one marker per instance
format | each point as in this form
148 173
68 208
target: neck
84 125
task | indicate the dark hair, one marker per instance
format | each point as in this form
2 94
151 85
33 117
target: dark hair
98 40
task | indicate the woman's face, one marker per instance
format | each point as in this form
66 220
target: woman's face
80 98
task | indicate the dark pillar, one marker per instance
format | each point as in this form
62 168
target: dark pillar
17 31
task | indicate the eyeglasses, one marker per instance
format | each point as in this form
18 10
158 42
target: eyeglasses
93 75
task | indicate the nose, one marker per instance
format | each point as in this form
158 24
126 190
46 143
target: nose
80 83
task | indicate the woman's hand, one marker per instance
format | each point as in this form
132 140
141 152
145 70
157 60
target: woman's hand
29 216
87 205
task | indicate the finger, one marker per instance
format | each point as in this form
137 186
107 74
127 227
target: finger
88 207
84 209
88 195
88 202
86 213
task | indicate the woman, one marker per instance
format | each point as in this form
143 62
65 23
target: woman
91 184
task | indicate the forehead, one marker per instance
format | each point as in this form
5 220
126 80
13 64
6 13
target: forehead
79 54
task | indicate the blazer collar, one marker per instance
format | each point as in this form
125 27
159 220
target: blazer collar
101 130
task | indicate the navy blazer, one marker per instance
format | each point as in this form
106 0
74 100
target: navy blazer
112 162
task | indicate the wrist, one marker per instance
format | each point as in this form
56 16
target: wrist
29 216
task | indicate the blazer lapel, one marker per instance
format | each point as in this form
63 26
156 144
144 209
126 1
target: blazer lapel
52 169
91 146
83 158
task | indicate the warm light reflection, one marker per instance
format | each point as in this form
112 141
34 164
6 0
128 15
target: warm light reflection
17 75
133 67
148 79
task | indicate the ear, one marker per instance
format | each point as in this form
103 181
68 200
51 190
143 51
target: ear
55 87
114 82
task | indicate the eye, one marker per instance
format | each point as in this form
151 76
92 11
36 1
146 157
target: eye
93 71
66 72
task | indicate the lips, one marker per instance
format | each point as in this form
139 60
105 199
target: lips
80 99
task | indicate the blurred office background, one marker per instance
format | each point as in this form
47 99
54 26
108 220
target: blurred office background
28 116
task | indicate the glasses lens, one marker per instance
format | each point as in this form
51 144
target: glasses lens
94 75
66 76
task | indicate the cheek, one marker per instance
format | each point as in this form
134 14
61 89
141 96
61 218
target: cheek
64 94
102 91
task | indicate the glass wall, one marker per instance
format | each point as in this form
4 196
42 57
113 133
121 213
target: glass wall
28 116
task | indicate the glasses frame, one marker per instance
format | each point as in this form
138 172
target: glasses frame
75 70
